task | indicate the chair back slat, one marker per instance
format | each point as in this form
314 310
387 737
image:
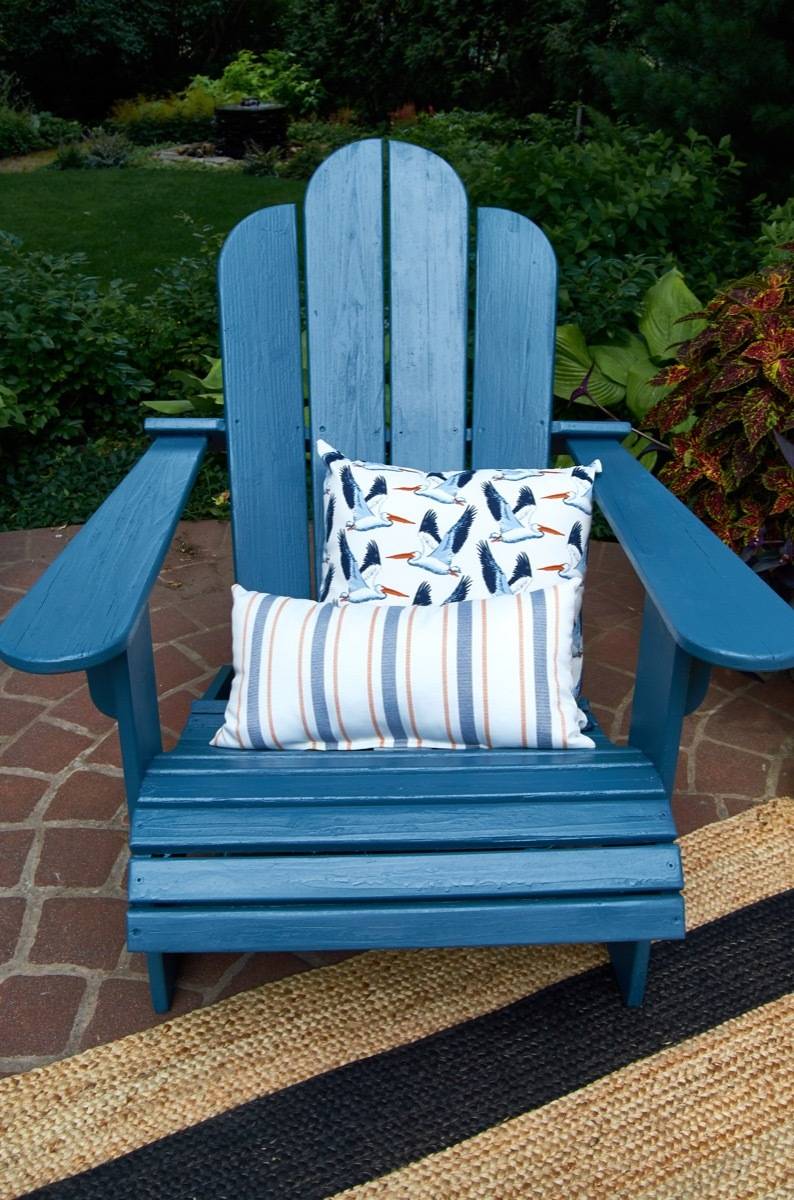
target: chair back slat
514 342
343 217
261 346
428 233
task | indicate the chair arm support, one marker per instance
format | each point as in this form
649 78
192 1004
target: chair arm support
715 608
84 608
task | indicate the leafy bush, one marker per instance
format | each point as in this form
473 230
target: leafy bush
65 347
186 116
70 157
735 467
22 130
106 149
776 241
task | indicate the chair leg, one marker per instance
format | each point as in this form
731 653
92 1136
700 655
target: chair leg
630 962
162 973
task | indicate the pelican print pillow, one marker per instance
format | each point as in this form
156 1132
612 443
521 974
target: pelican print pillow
411 537
488 673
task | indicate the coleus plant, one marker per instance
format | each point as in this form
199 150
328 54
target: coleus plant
735 380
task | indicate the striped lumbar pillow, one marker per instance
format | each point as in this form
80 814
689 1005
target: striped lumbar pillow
488 673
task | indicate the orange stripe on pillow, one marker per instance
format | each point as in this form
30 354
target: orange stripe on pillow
486 721
522 679
555 596
337 705
445 676
301 640
408 693
270 646
370 692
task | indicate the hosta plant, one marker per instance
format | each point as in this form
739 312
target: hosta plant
735 466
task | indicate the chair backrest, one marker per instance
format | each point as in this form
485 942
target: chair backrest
384 328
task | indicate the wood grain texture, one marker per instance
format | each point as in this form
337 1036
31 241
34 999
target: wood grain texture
405 876
409 923
263 388
712 604
343 216
514 341
428 255
83 609
445 824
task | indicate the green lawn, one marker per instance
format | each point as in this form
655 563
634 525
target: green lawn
126 221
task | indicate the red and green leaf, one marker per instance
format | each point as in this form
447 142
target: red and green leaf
733 375
759 414
781 373
771 347
719 416
734 332
780 482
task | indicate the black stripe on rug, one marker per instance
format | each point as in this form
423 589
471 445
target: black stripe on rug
377 1114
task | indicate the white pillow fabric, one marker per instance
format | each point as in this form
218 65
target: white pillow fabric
413 537
488 673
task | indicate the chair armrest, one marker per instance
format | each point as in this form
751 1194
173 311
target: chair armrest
82 610
713 605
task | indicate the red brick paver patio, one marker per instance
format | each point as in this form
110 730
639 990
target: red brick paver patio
66 980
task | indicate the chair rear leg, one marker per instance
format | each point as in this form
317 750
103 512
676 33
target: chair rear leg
162 973
630 962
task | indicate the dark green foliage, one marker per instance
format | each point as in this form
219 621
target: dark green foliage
22 130
377 56
103 149
81 55
720 68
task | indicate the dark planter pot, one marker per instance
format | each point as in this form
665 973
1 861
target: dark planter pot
250 123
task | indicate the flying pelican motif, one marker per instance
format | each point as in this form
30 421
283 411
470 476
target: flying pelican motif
445 492
511 527
376 466
521 473
361 581
574 561
435 553
579 494
327 578
367 510
327 453
424 595
495 579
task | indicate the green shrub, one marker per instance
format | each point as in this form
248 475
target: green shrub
186 116
70 157
22 130
776 241
65 346
107 149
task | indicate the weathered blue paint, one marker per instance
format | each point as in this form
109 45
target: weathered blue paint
399 847
263 390
714 608
514 341
82 611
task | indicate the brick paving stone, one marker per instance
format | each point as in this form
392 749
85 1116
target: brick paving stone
124 1006
204 970
775 690
15 545
693 810
86 931
86 796
12 913
38 1012
604 685
20 575
169 622
80 709
214 645
107 752
727 770
14 849
19 795
78 857
263 968
745 722
44 748
175 709
48 687
15 714
174 669
214 608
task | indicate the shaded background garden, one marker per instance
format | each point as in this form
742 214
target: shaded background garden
644 138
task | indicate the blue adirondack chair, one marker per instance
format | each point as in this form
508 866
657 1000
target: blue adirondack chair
243 851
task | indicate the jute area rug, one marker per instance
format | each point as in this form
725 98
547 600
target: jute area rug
491 1073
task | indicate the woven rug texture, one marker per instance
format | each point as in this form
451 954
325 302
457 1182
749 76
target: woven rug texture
508 1073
